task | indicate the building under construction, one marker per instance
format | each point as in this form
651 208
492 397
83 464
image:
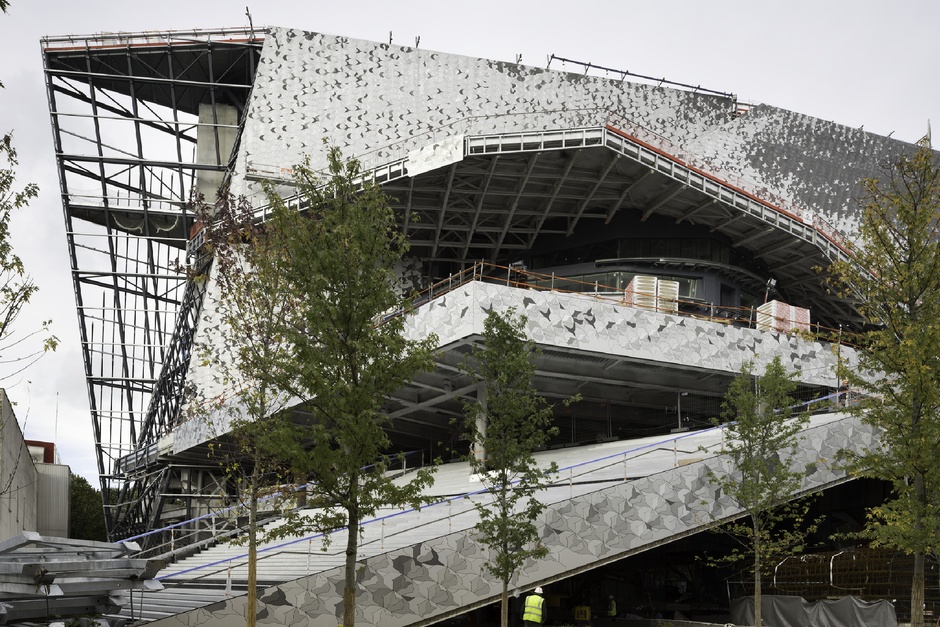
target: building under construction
656 236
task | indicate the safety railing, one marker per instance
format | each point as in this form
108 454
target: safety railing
456 511
151 38
192 534
398 151
748 187
512 276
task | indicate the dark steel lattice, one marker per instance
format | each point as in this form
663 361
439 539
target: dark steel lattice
124 114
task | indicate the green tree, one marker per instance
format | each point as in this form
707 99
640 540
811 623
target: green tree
894 277
340 349
507 423
761 434
86 513
252 306
252 463
16 286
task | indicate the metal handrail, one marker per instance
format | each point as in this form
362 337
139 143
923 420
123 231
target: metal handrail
397 151
750 188
227 513
559 481
149 38
526 279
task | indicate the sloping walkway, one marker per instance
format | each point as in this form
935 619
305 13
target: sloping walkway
610 500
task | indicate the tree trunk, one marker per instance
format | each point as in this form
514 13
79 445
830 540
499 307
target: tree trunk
917 582
758 618
349 589
504 606
251 611
917 591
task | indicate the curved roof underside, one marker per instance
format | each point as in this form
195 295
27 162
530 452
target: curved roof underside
510 190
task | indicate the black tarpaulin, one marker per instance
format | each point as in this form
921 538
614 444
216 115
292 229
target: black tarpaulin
789 611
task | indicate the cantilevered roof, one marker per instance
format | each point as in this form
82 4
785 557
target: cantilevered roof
509 190
486 157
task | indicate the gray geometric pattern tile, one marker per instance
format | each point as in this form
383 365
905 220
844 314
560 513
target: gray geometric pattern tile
443 574
604 326
378 102
574 321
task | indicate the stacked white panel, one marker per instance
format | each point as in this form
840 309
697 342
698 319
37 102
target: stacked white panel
773 316
667 296
641 292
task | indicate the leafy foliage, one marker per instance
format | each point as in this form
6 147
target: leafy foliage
316 290
16 286
761 435
895 278
508 422
246 341
86 513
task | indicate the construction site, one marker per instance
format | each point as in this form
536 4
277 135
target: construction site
657 237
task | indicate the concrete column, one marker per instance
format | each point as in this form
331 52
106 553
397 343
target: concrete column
215 139
479 451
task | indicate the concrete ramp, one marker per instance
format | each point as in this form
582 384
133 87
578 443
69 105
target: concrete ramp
610 501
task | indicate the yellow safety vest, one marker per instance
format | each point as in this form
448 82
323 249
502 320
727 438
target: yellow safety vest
533 608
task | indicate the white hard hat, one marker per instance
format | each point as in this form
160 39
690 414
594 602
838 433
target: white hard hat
538 590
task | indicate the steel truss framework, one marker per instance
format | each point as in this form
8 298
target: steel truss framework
512 189
124 112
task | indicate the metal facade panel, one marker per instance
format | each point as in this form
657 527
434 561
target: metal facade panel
53 500
378 101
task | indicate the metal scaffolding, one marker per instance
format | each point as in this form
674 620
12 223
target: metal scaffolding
126 110
868 573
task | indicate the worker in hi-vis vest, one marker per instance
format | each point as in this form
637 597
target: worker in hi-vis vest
533 613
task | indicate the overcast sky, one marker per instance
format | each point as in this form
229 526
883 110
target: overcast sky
859 62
